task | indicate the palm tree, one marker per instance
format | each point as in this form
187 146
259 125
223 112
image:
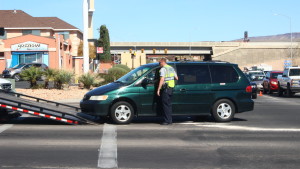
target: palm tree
31 75
49 76
87 79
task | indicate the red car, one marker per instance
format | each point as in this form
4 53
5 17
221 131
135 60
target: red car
270 83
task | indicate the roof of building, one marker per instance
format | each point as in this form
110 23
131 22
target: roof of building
55 23
20 19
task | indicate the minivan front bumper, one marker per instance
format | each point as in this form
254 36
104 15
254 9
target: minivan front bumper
94 107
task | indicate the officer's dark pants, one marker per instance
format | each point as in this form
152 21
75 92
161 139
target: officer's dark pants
166 97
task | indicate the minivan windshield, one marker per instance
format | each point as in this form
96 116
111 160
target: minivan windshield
133 75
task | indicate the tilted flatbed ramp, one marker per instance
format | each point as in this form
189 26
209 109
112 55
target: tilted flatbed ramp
42 108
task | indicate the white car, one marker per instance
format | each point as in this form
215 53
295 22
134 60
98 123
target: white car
5 85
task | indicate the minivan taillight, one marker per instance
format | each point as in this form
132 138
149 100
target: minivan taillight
249 89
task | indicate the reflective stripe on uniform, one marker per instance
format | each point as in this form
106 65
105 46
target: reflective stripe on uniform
169 77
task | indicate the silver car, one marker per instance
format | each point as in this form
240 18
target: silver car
15 71
258 79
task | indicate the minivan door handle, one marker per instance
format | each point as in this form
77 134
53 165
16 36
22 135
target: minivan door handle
182 90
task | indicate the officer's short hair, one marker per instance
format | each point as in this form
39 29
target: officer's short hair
164 60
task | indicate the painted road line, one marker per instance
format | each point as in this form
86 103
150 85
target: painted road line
244 128
108 149
5 127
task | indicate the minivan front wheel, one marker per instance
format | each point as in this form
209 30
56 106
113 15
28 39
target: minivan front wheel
122 112
223 110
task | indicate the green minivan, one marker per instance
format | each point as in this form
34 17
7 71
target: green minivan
212 88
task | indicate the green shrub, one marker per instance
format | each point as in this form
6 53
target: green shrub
123 67
114 73
62 77
49 75
32 75
87 79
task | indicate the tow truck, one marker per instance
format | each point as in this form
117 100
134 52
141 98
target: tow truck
11 101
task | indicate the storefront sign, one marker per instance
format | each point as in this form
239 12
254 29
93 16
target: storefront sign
29 46
99 49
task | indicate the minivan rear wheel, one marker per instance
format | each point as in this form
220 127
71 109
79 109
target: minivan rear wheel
223 110
122 112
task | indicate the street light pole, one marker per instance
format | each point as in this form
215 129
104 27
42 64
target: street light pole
291 35
85 37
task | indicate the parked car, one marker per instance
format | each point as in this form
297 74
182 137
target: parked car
270 82
15 71
5 85
257 77
254 87
289 81
219 89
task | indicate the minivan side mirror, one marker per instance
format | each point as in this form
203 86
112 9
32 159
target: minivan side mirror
284 76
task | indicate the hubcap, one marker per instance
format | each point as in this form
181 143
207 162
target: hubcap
122 113
224 110
17 77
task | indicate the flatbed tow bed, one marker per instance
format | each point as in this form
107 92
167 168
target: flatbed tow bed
42 108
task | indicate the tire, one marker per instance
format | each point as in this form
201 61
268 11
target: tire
254 95
17 77
122 113
223 110
264 90
270 90
288 91
280 91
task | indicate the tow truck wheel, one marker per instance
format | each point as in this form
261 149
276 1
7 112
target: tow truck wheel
122 112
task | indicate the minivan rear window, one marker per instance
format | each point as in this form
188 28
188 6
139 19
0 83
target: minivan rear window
193 74
223 74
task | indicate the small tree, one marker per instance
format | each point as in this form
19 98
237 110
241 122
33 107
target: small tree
92 50
87 79
49 76
32 75
105 43
62 77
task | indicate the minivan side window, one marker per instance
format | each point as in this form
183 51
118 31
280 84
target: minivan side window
223 74
193 74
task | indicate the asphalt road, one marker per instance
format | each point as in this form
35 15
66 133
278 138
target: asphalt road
267 137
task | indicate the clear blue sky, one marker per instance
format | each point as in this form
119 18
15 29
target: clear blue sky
172 20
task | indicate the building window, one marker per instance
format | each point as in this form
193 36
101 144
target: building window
66 34
33 32
1 55
4 36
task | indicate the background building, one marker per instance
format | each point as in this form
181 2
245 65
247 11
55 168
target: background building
48 40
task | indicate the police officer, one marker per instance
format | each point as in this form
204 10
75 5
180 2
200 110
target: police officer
165 89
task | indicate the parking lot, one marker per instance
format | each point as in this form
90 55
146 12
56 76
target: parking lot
267 137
